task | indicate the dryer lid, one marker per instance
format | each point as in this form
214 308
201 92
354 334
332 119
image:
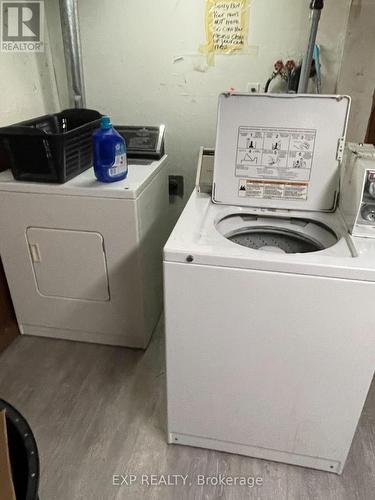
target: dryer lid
279 150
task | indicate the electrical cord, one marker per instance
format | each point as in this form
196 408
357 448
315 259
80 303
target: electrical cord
268 84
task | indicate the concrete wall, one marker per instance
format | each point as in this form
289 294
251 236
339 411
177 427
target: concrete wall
357 76
52 12
28 86
142 64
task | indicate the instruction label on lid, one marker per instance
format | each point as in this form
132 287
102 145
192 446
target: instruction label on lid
272 190
291 139
275 153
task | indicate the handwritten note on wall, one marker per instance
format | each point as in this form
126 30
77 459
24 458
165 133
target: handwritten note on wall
226 26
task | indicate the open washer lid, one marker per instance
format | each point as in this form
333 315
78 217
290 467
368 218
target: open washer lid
279 150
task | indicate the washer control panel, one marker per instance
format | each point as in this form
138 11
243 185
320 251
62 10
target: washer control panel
357 197
367 211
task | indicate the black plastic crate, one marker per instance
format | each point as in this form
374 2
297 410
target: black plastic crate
51 148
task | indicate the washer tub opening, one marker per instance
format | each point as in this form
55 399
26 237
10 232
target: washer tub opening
277 234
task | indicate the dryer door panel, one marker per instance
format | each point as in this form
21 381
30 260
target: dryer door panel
68 264
66 294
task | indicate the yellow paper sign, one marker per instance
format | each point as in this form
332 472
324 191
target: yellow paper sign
227 24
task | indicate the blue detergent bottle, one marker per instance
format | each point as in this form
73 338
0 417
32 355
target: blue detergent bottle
110 161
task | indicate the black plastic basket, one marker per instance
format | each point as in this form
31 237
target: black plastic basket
51 148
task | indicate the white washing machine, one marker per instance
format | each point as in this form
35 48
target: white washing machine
83 259
270 336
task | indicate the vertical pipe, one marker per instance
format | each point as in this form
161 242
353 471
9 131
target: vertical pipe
72 51
316 6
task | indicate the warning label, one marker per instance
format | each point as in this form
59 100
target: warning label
272 190
275 153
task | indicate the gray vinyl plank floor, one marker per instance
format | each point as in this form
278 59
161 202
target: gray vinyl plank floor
97 411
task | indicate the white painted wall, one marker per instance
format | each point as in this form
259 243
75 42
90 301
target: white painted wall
357 76
28 87
129 58
52 12
130 52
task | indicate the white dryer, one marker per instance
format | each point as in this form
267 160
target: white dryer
83 259
269 301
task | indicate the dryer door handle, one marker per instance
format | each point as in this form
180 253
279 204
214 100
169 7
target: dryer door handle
35 252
